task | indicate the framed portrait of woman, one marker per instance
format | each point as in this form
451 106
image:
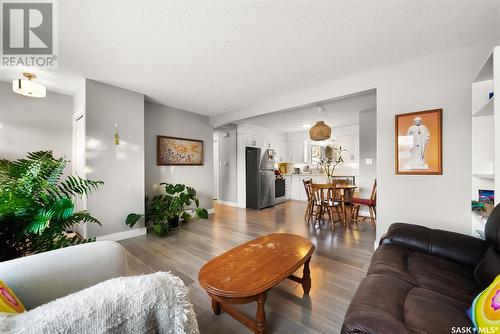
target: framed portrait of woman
419 143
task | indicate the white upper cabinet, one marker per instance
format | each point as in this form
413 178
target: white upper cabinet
298 151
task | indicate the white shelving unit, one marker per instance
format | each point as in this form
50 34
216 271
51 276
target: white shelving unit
485 124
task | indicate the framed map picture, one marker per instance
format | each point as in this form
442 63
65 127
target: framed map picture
418 143
173 151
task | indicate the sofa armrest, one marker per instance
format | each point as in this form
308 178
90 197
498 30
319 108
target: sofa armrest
458 247
40 278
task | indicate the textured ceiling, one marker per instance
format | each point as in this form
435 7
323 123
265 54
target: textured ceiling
214 57
337 113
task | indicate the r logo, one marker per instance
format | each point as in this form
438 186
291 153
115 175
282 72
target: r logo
27 28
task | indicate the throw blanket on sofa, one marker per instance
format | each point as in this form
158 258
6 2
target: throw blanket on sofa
155 303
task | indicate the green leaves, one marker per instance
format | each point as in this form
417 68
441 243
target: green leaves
36 207
169 206
132 219
202 213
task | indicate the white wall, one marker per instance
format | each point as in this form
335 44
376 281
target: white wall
32 124
226 137
120 167
441 80
167 121
367 150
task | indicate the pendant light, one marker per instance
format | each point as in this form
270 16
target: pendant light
320 131
28 87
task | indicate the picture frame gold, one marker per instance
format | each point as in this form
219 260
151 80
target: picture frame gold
176 151
418 148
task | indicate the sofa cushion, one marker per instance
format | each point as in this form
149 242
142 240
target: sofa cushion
386 304
426 311
426 271
377 306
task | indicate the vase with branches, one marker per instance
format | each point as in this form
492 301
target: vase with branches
37 207
331 158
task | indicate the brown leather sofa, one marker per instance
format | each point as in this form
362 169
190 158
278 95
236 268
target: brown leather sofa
423 281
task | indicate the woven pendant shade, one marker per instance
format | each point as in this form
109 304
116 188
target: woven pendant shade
320 131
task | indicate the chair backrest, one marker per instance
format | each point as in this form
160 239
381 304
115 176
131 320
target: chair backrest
341 181
373 195
307 187
323 193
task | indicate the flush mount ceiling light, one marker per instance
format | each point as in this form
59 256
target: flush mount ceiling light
28 87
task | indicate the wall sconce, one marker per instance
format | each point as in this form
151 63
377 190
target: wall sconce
117 136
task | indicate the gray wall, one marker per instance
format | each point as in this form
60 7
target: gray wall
31 124
367 150
227 173
120 167
167 121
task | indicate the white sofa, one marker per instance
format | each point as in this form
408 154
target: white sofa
81 289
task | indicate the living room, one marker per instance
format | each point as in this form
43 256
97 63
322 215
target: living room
122 103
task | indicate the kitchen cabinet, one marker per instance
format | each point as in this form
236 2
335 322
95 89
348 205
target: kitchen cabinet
351 145
288 186
297 151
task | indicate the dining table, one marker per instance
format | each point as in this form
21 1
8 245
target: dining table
346 192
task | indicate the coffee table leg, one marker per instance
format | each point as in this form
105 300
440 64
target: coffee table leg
216 307
260 327
306 278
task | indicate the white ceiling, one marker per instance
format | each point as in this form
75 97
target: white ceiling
214 57
336 113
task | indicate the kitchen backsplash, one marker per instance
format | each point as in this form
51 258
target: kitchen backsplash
346 168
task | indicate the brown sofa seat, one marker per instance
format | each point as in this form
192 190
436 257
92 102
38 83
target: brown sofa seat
425 271
385 304
422 281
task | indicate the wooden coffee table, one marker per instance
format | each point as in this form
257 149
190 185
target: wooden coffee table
246 273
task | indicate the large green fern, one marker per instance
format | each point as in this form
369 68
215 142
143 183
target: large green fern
37 207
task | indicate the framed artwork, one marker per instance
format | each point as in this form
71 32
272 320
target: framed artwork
173 151
419 143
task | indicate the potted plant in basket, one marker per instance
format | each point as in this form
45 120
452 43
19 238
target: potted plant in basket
165 211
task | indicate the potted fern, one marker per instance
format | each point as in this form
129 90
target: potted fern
165 211
37 206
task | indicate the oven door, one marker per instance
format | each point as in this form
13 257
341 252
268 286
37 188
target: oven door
279 190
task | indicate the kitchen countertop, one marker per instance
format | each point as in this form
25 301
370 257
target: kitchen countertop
317 174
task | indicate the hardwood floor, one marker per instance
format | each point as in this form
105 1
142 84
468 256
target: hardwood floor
337 266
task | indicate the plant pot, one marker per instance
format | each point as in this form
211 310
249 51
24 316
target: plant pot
161 229
174 223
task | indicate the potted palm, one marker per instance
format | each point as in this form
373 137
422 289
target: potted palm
165 211
37 205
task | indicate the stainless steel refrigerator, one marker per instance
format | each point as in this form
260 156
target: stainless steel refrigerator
259 177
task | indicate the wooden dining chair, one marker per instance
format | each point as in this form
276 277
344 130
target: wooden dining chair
310 207
342 196
371 203
324 203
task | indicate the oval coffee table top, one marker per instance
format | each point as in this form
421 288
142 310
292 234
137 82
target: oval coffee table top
255 266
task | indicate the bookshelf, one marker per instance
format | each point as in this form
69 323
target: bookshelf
485 154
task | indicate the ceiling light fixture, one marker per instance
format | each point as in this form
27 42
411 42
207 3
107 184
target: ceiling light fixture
28 87
320 131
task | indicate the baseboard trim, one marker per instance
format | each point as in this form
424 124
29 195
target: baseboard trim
123 235
234 204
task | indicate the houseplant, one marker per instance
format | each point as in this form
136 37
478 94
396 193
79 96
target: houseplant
37 207
165 211
331 158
